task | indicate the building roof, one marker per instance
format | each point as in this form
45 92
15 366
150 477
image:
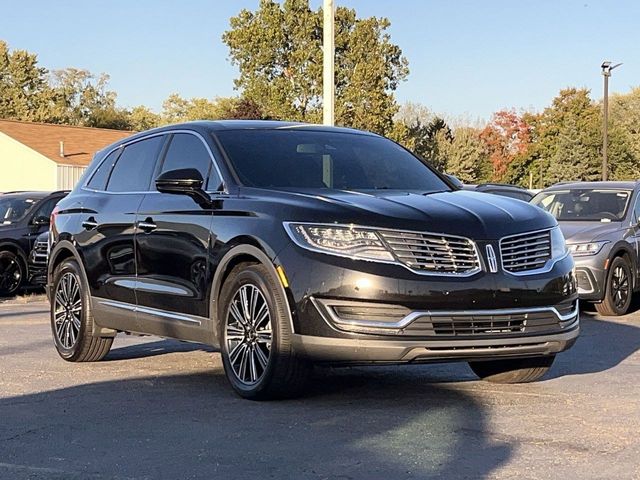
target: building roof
79 143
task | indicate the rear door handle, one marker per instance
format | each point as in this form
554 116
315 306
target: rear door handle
90 223
147 226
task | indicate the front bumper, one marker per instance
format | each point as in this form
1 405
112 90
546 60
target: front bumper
591 276
367 351
419 318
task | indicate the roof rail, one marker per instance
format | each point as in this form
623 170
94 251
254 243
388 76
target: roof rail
15 191
496 184
59 191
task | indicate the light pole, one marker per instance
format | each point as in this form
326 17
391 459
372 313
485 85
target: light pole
606 73
328 59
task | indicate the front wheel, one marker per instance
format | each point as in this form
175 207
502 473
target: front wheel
518 370
617 294
12 273
255 336
71 317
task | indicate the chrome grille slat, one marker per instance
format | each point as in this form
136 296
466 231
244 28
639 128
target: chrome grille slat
433 253
525 251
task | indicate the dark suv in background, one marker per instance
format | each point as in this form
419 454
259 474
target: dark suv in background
23 216
601 223
288 244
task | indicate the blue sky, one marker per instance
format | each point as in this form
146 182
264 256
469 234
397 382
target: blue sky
467 58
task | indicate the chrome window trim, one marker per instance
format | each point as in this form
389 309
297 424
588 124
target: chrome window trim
183 317
547 266
146 137
408 319
288 228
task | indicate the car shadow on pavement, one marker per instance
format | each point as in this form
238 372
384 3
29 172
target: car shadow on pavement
151 349
354 425
602 344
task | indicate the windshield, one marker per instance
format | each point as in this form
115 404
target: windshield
12 209
311 159
585 205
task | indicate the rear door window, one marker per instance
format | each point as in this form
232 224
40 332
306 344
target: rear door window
134 169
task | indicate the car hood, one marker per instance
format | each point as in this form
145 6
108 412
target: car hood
583 232
469 214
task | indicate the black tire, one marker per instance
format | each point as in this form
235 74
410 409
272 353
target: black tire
71 325
617 293
12 273
517 370
284 374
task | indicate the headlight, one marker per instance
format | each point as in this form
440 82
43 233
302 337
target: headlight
558 244
341 240
584 249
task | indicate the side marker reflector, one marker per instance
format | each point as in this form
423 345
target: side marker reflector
283 277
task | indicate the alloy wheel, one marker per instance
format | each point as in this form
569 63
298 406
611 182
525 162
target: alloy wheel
67 310
10 275
619 287
248 334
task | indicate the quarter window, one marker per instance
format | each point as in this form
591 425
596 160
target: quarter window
187 151
134 169
99 179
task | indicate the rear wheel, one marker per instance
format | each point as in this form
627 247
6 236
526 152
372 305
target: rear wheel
519 370
12 273
255 336
71 317
617 295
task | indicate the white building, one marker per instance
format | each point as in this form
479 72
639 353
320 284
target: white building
40 156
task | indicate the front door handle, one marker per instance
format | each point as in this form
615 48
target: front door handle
147 226
90 223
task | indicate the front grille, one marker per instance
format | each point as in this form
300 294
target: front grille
525 251
433 253
483 324
40 252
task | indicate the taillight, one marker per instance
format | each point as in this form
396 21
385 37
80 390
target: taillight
54 212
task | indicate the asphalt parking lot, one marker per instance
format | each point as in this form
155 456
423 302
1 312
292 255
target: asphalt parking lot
161 409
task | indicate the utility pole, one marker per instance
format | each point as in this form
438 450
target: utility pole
606 73
328 63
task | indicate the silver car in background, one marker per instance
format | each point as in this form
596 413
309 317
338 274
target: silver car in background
601 224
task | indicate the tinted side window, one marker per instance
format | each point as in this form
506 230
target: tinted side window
134 168
187 151
636 211
99 178
45 209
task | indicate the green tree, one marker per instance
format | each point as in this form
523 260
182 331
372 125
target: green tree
418 130
142 118
25 93
465 154
176 109
570 137
82 98
278 51
624 135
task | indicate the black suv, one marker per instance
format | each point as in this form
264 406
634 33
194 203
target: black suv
504 189
287 245
23 216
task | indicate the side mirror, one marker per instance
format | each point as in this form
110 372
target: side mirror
40 221
184 181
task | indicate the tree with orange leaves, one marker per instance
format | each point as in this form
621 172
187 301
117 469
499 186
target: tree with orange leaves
506 135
